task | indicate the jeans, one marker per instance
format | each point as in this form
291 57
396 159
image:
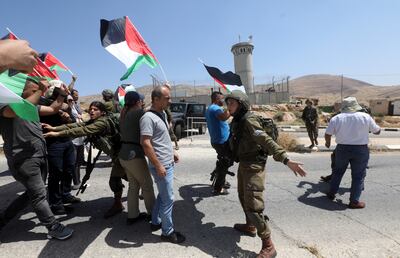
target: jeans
30 173
61 157
357 156
162 209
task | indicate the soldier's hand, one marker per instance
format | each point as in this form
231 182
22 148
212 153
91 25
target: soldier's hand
18 55
296 168
51 134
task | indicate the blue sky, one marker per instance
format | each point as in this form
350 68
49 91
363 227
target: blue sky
359 39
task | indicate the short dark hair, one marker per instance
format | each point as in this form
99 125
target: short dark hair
74 90
215 94
100 105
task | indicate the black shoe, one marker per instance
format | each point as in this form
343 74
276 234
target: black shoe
59 231
61 209
70 199
223 191
155 227
141 216
227 185
174 237
331 196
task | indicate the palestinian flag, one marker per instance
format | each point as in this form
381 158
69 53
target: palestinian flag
52 62
121 92
123 40
16 84
229 81
10 36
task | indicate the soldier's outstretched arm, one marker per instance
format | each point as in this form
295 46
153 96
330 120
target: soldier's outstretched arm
296 167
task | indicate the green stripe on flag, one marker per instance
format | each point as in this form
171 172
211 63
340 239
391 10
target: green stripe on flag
57 68
25 110
147 59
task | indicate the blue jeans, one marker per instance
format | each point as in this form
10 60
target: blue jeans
162 209
357 156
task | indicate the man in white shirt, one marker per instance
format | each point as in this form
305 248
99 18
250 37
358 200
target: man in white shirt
351 129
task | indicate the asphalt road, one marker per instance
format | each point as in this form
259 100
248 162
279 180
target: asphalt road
304 222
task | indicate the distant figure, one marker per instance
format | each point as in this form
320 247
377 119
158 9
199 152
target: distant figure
351 129
310 118
108 100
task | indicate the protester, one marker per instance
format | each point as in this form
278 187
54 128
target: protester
351 129
158 148
310 118
219 133
131 157
25 150
17 54
79 141
250 145
98 124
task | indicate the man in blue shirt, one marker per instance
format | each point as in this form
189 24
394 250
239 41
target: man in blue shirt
219 133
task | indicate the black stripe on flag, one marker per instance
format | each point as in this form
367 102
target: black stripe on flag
228 78
112 32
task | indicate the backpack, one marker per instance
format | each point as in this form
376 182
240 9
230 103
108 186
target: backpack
269 127
110 141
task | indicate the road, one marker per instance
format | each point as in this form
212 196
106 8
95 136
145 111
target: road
304 222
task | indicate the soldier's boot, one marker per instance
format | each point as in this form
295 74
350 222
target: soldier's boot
267 249
116 208
246 229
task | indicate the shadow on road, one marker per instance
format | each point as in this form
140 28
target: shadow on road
321 202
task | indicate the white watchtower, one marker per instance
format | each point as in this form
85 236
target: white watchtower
243 59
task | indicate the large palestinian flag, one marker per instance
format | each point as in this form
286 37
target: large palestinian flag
122 40
229 80
52 62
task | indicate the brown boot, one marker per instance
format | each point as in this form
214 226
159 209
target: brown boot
246 229
116 208
267 249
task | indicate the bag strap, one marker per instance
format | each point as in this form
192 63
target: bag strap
160 116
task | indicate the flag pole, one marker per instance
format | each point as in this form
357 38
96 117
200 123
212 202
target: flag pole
37 58
162 70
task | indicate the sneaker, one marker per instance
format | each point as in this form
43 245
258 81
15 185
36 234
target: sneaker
141 216
155 227
223 191
61 209
174 237
227 185
70 199
357 205
59 231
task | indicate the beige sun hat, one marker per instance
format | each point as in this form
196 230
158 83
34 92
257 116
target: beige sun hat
350 105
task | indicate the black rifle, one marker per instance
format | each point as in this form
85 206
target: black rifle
89 169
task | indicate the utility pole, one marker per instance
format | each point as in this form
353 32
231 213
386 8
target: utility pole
194 87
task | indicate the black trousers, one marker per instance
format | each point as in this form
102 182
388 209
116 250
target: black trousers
222 164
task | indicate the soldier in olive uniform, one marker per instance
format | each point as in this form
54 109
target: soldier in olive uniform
108 100
310 118
97 125
250 145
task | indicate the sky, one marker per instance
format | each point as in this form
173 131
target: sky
358 38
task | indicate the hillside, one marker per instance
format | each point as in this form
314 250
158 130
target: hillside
321 86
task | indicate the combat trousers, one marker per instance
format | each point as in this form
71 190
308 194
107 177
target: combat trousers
117 173
251 181
312 130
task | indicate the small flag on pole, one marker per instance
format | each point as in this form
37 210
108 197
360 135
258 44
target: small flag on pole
123 40
229 80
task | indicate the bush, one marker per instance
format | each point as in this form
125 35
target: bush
278 116
287 141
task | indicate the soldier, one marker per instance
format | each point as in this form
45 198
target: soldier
250 145
108 100
310 118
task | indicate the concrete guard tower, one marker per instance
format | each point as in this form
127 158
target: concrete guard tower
243 59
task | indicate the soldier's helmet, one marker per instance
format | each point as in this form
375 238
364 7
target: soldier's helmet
241 97
107 93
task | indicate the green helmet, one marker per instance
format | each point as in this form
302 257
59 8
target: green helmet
107 93
241 97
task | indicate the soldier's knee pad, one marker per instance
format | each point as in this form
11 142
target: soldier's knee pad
115 184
